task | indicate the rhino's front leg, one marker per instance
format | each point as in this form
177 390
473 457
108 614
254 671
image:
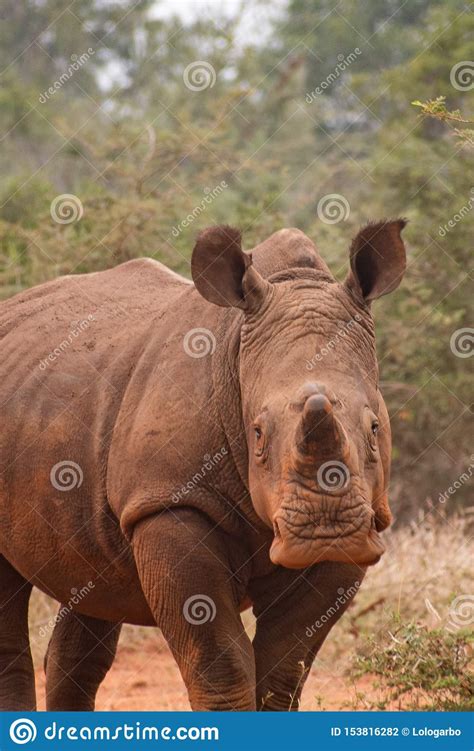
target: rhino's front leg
182 561
295 611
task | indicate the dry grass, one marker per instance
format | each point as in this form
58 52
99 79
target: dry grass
426 566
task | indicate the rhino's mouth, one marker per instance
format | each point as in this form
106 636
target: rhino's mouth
305 536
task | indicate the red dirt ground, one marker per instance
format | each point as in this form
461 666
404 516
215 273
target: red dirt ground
144 676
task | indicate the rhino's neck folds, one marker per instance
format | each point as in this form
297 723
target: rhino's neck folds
226 382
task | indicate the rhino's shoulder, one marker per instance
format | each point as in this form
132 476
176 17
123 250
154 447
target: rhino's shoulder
146 268
288 248
140 273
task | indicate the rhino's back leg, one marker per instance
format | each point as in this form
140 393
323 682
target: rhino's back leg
17 680
80 653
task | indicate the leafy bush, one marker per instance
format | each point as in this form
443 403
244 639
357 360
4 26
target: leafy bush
421 668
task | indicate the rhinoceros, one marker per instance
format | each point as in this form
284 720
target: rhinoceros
174 452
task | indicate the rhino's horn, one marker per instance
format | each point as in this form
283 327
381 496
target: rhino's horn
320 436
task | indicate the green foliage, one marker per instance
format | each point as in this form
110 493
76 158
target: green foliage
141 151
421 668
437 108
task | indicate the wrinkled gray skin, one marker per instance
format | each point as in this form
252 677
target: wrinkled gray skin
203 478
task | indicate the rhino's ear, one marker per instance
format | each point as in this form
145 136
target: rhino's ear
378 259
223 274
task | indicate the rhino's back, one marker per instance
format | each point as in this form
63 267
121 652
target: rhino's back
133 287
67 350
80 332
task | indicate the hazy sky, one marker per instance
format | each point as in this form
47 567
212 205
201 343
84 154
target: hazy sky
254 25
254 18
186 8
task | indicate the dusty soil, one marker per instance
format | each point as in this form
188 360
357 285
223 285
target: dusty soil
144 676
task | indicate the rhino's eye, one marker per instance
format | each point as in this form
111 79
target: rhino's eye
371 429
259 442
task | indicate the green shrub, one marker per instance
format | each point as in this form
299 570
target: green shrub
420 668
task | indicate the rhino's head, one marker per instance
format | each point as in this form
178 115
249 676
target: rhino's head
317 428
